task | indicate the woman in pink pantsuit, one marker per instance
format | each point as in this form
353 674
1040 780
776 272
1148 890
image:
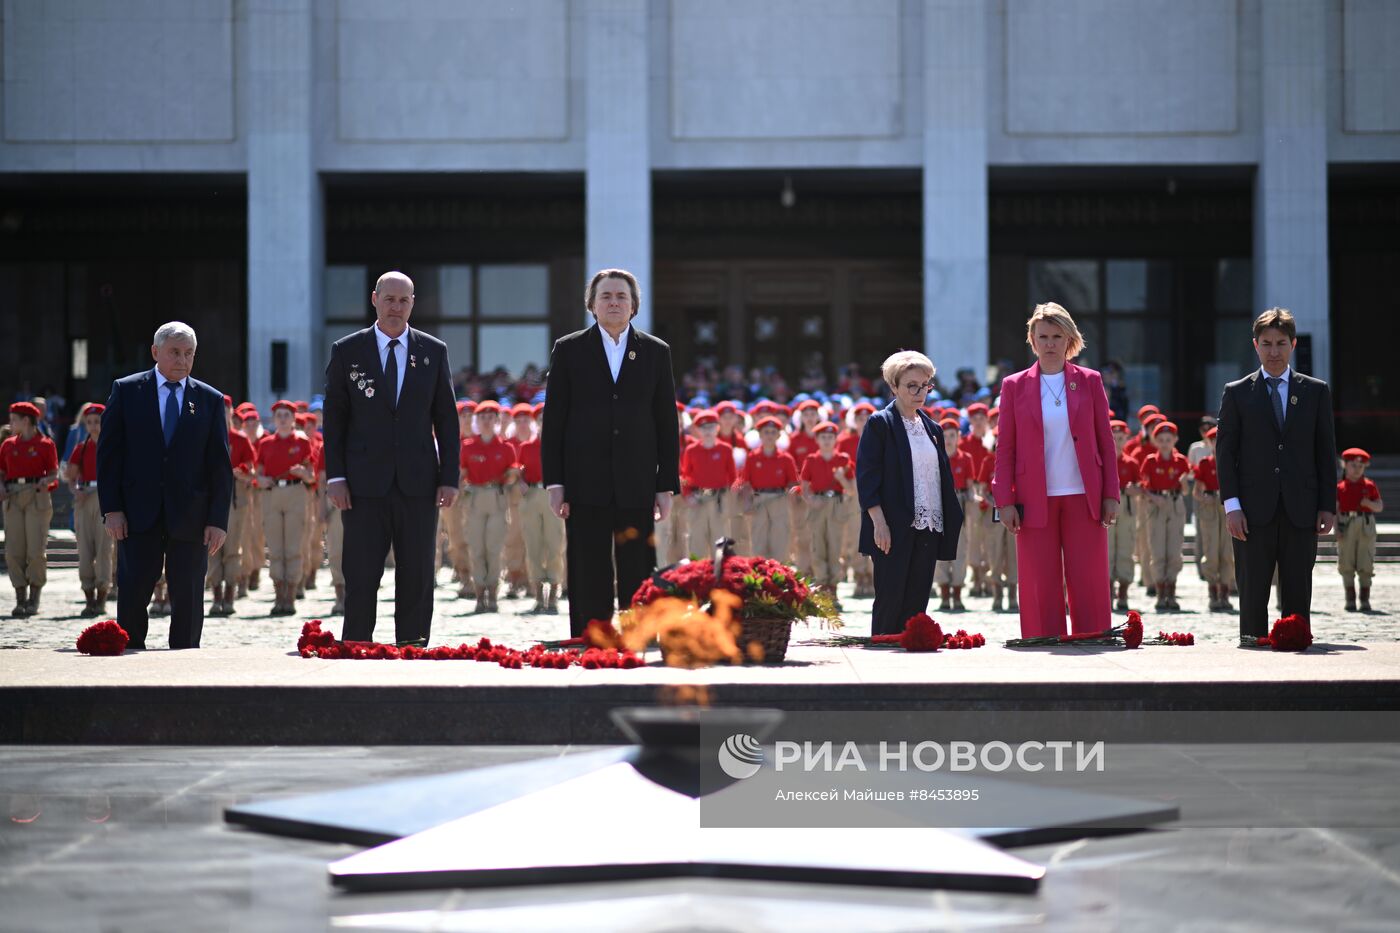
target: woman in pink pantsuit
1056 464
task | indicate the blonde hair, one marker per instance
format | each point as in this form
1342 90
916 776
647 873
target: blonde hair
899 362
1052 313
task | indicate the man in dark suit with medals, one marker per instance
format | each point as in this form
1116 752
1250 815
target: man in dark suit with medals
165 484
391 449
1277 463
610 451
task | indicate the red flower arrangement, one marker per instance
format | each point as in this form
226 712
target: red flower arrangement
317 643
1291 633
766 587
1130 632
103 638
921 633
1180 639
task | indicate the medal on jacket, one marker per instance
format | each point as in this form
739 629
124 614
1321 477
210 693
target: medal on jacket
191 406
412 361
631 354
1293 400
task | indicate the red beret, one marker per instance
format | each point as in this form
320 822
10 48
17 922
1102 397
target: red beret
283 403
1356 453
25 408
302 405
726 406
768 421
537 409
1164 425
865 407
824 427
807 403
465 404
488 405
1153 418
228 399
680 407
1119 426
1212 432
521 408
250 413
953 423
1145 410
975 407
95 408
705 416
993 412
304 417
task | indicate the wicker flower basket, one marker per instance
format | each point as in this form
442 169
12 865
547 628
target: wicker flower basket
762 640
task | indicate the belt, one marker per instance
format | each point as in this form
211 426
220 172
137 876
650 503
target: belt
534 485
708 493
1165 492
1355 514
25 481
1211 493
91 485
484 487
770 492
287 482
829 494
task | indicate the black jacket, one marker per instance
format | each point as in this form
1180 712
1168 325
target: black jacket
1256 463
611 444
191 480
885 477
375 446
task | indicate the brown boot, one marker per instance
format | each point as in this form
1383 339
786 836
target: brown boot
997 598
1365 599
311 579
216 605
1172 604
1161 590
482 603
33 603
538 607
1012 598
255 579
21 610
102 593
551 605
242 587
298 589
229 591
491 604
944 591
90 609
1351 598
338 609
279 598
957 600
1122 604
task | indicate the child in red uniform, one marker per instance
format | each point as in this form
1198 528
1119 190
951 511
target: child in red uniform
226 566
977 525
862 571
1358 503
29 464
1122 534
1164 474
767 476
94 545
707 472
802 443
541 528
827 477
489 463
284 474
1212 536
950 574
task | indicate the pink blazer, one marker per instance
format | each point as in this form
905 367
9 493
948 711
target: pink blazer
1020 464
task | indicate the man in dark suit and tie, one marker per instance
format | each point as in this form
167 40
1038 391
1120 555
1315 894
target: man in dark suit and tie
164 483
392 449
1277 462
610 452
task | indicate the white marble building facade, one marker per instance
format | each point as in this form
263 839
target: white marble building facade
286 91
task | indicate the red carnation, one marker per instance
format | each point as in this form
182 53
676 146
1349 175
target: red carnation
1132 632
1291 633
921 633
103 638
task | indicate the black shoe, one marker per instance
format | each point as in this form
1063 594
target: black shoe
1251 641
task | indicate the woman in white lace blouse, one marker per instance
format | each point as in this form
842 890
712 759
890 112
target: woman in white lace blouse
910 517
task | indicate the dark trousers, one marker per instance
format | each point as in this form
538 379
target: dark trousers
140 559
372 524
1281 544
903 578
600 539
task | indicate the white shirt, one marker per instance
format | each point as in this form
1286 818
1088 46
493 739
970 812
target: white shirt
1232 504
928 483
615 350
162 393
1061 465
400 354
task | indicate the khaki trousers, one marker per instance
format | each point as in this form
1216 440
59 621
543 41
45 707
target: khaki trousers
1356 547
801 556
335 546
254 541
855 561
544 537
1122 535
1166 532
225 566
1001 555
770 529
739 525
94 544
954 572
486 533
284 524
706 522
978 530
670 535
315 534
1213 542
27 514
458 551
514 554
825 526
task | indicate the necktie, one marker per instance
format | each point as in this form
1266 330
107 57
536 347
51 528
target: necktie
1277 399
391 374
172 412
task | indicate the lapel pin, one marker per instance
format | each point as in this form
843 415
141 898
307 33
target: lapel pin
412 361
1293 400
1073 386
425 361
631 354
192 405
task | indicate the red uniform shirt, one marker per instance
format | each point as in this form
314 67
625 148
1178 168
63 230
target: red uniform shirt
486 462
848 443
241 454
1128 470
528 455
982 475
821 474
277 455
1205 474
963 468
21 459
801 446
1349 494
764 472
980 454
85 456
1133 445
1161 474
708 467
733 440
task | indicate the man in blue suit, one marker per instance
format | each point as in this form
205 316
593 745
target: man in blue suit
164 482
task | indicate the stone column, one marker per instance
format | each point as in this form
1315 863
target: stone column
285 230
617 185
1290 192
955 185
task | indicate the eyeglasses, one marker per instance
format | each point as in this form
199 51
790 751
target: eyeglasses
919 386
